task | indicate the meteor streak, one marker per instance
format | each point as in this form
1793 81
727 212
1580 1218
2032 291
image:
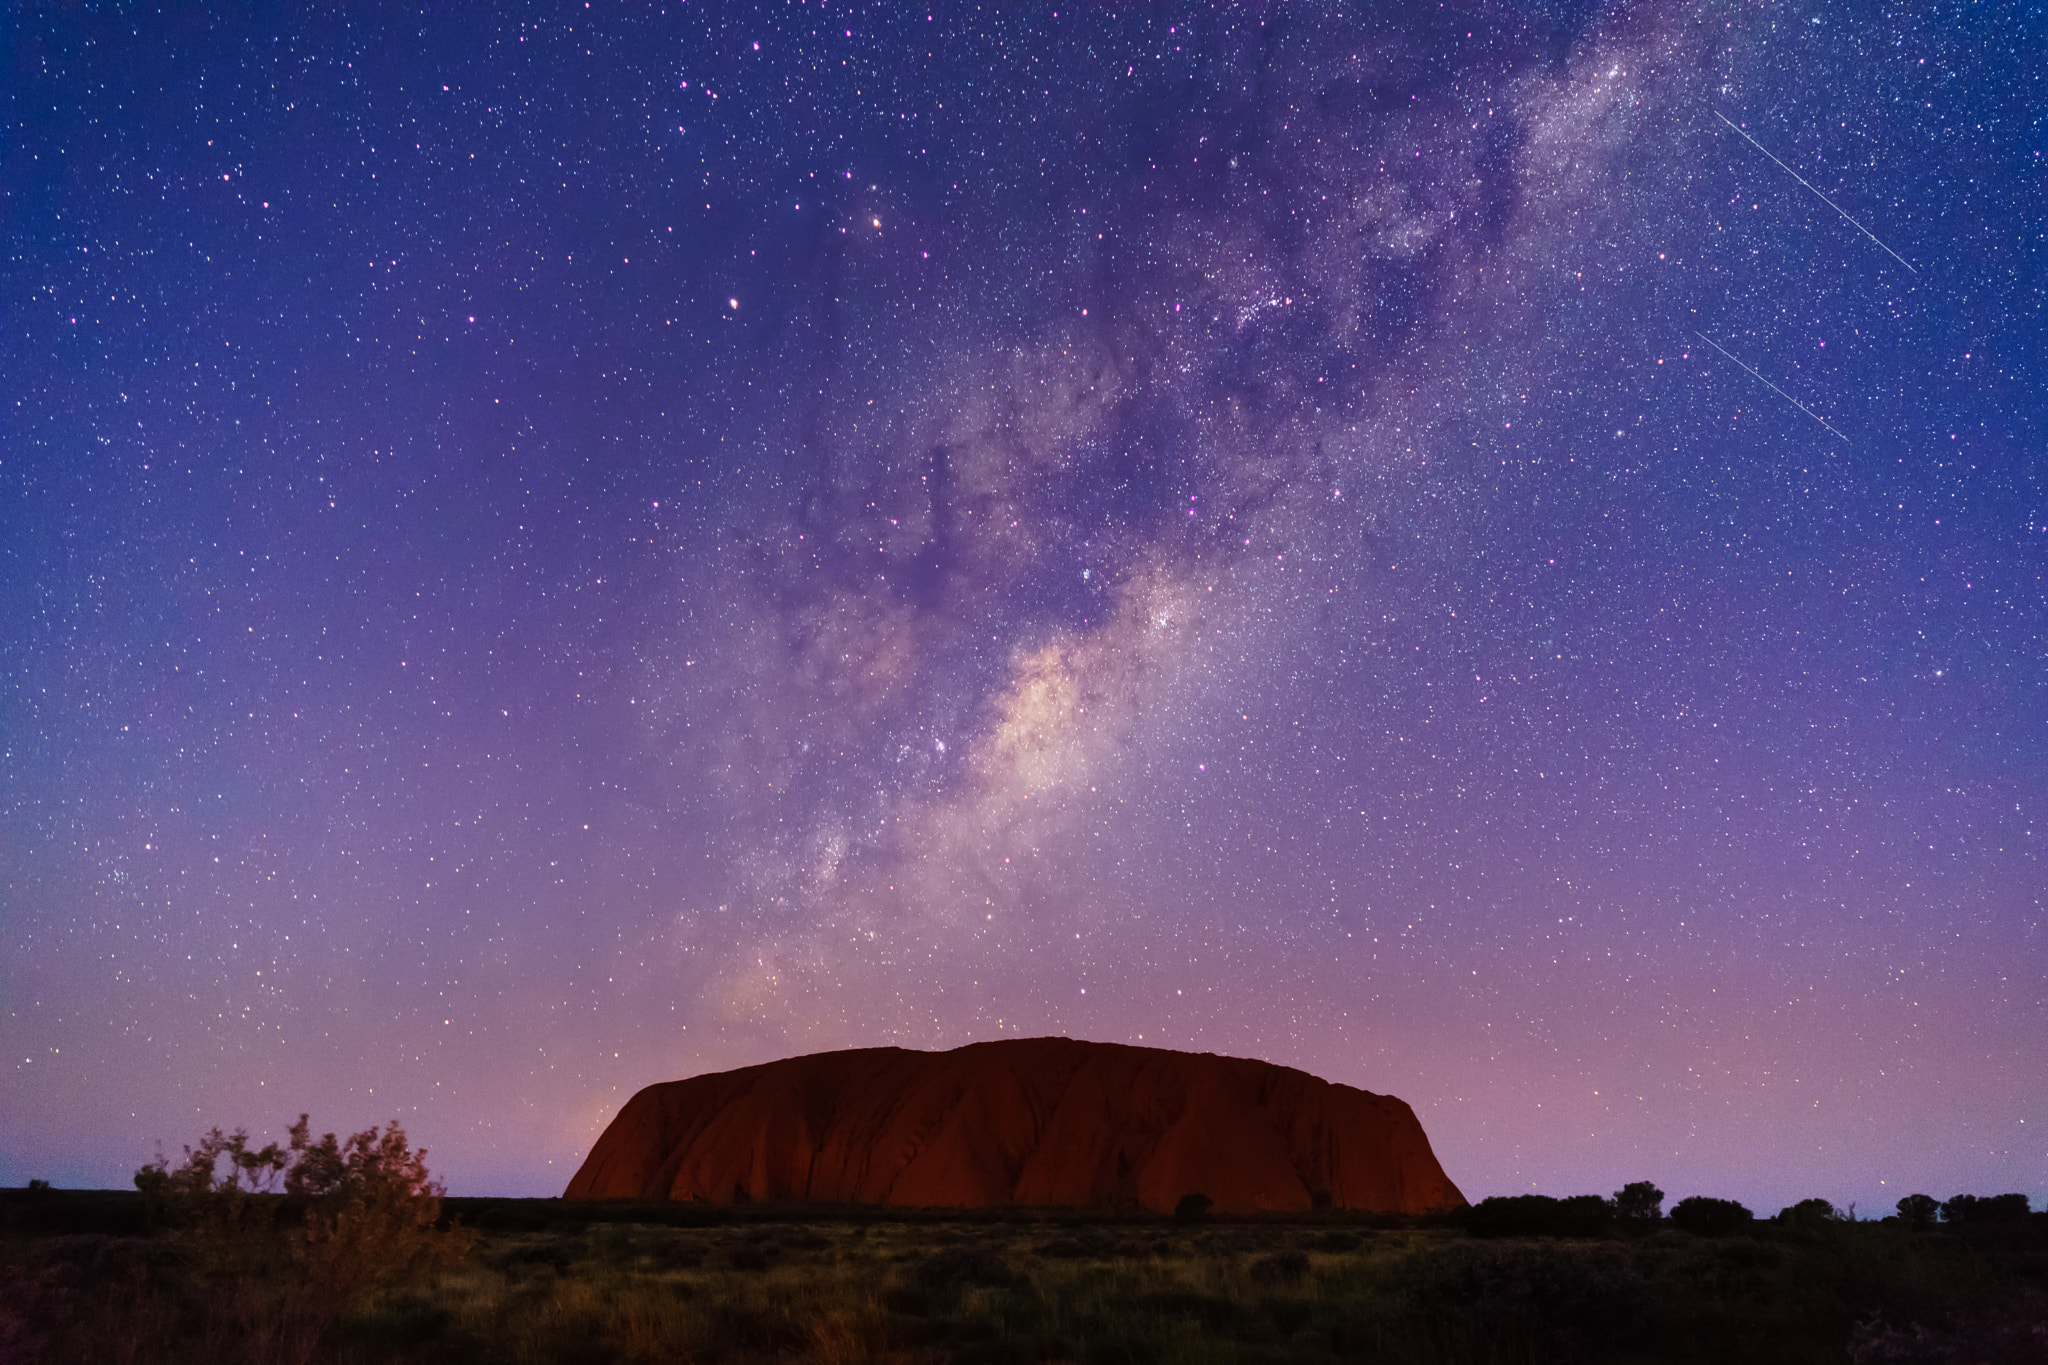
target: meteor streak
1769 385
1823 199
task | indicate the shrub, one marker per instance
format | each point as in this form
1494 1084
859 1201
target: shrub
222 1222
1539 1215
353 1218
1639 1202
1280 1268
1531 1302
751 1255
369 1211
1919 1210
1192 1208
1807 1213
1706 1217
1995 1208
972 1265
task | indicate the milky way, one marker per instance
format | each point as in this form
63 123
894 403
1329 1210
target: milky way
1490 555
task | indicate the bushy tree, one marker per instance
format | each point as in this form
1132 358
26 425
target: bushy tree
369 1212
219 1213
1639 1202
1706 1217
284 1238
1807 1213
1539 1215
1919 1210
1583 1215
1994 1208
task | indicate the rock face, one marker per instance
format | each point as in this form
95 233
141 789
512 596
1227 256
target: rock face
1035 1121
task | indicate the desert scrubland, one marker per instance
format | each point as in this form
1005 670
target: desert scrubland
89 1276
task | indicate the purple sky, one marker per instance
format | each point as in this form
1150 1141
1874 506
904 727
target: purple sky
543 555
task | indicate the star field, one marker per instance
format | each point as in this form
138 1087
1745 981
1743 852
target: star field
1492 553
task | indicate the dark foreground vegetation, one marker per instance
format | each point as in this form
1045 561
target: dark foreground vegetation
107 1276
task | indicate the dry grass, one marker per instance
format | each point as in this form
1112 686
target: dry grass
852 1289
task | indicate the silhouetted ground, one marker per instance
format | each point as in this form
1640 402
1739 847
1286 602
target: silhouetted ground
83 1277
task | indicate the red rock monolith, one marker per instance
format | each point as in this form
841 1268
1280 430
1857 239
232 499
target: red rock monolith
1030 1121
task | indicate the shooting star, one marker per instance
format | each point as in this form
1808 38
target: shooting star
1772 387
1823 198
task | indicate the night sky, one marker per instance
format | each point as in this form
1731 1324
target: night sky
1491 553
